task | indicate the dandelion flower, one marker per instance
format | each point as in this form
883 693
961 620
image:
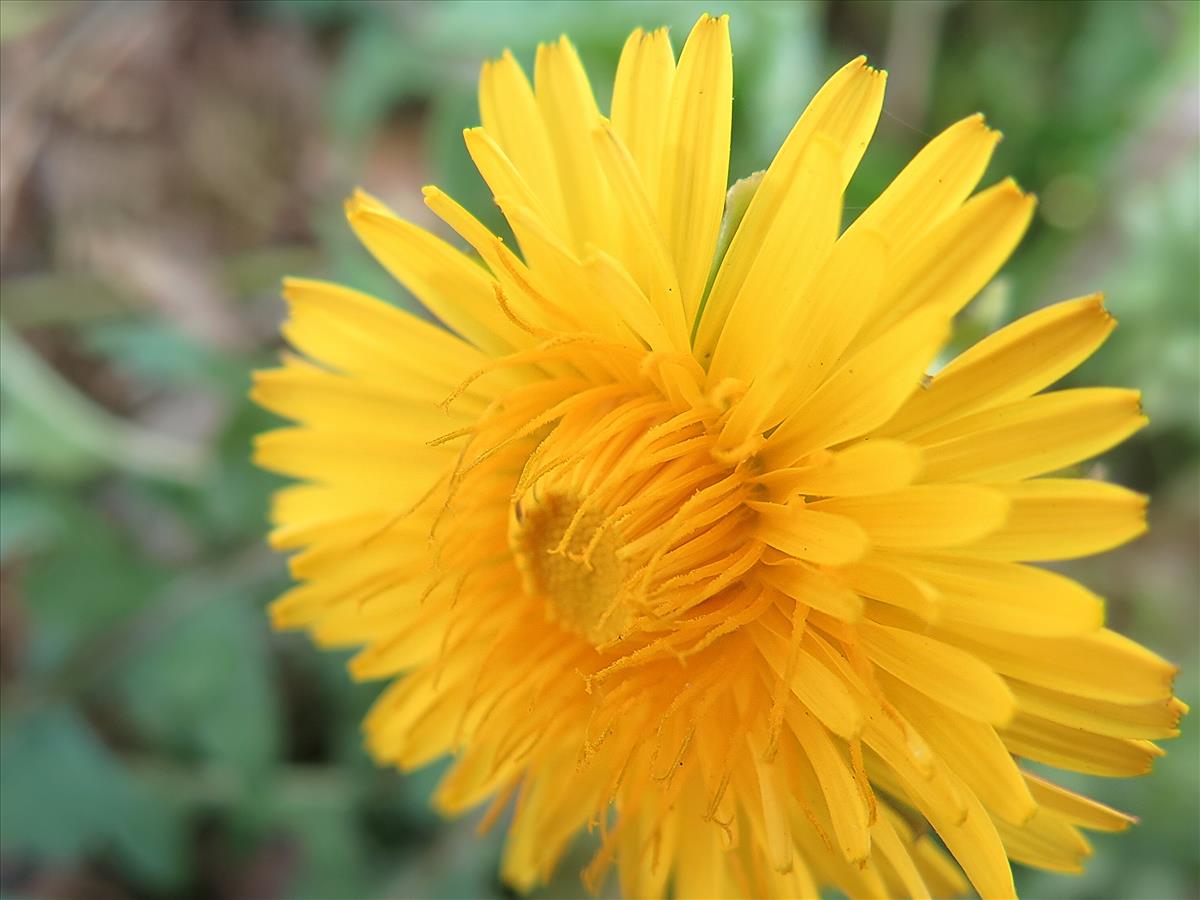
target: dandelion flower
668 535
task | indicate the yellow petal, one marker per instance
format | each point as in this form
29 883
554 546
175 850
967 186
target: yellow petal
1062 518
929 515
1047 842
893 585
806 585
1005 596
846 110
793 251
642 99
647 257
400 469
868 467
945 879
1015 362
961 821
825 695
1141 721
933 184
970 748
943 672
810 535
316 397
616 287
1032 436
864 392
297 504
510 115
556 273
820 690
502 175
956 259
814 337
847 808
363 336
1075 808
1101 665
1080 751
779 843
453 288
898 854
568 108
695 165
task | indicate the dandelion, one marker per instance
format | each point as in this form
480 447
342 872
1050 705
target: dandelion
667 535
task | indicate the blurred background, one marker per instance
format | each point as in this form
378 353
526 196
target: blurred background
164 164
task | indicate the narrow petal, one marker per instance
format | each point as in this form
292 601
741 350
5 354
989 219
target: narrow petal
1033 436
647 258
807 585
956 259
695 166
933 184
894 585
1077 809
847 808
510 115
969 747
313 396
794 249
1062 518
845 110
401 469
868 467
1015 362
1077 750
1046 841
1142 721
940 671
360 335
1004 596
1101 665
863 393
932 515
452 287
642 100
568 108
810 535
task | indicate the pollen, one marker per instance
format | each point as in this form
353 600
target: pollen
578 575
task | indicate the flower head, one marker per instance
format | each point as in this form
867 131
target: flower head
667 533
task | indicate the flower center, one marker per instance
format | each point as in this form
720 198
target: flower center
570 562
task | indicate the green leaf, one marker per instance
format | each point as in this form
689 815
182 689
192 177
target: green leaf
31 520
152 352
203 687
66 796
88 582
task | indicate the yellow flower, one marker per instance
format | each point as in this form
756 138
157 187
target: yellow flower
667 533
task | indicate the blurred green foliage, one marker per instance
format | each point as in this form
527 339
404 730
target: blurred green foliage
158 740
